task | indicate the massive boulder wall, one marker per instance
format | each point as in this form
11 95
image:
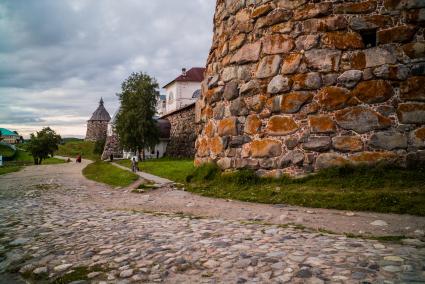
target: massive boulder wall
297 86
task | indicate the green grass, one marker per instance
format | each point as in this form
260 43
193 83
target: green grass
173 169
109 174
6 152
377 189
73 148
23 158
9 169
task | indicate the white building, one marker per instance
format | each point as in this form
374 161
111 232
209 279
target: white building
160 149
161 107
183 90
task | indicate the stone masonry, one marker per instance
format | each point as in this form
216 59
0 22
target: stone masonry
183 132
293 86
96 130
112 146
97 125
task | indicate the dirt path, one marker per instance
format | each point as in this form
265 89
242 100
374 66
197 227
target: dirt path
57 226
168 199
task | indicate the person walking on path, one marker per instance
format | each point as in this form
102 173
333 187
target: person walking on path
133 165
78 160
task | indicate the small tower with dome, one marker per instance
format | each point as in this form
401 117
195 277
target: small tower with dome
97 126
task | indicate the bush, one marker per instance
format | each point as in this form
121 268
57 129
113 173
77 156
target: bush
99 146
206 172
243 177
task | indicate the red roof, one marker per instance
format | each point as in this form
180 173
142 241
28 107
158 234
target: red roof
195 74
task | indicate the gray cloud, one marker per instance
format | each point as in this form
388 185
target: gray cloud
58 57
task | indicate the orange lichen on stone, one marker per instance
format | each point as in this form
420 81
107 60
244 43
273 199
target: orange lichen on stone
260 11
256 103
265 148
247 53
358 60
361 119
274 44
209 129
411 113
356 8
327 160
228 127
333 98
252 124
396 34
420 133
342 40
236 41
331 23
215 145
373 157
202 146
208 112
347 143
414 49
291 63
375 91
321 124
413 89
281 125
417 138
292 102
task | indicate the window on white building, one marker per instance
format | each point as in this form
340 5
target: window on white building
170 97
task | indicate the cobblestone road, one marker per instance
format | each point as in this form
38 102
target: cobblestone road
52 231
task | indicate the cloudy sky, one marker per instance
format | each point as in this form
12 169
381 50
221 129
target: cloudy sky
57 58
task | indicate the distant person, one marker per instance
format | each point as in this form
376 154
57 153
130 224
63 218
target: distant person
157 154
78 158
133 165
111 158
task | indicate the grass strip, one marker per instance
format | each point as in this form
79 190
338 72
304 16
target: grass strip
9 169
173 169
378 189
109 174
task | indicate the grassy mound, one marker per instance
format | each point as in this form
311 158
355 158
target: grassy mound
378 189
74 147
109 174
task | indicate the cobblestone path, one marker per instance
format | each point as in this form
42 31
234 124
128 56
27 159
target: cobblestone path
52 231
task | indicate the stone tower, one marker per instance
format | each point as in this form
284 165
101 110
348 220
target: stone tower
293 86
97 126
112 144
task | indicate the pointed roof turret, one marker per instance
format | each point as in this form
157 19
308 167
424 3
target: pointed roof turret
101 114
